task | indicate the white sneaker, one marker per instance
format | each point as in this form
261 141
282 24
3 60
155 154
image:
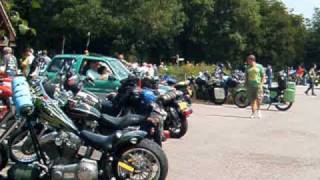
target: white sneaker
252 115
259 114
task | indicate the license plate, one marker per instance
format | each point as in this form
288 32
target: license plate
183 105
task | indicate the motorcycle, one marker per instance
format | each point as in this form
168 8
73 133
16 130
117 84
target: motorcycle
282 96
183 86
174 103
65 151
215 89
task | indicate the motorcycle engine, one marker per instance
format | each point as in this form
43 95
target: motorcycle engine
86 169
66 165
61 147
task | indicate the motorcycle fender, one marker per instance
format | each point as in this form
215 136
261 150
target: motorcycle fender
130 138
241 89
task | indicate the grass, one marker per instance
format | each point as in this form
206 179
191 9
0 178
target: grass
183 71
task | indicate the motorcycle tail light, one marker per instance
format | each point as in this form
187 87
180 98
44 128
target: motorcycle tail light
3 111
166 134
187 113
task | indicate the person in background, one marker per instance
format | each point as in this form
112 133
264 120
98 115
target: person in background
121 58
104 72
312 76
86 52
46 59
300 74
31 56
27 61
10 62
219 73
155 68
93 71
269 74
162 66
254 82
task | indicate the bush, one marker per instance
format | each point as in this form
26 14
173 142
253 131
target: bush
183 71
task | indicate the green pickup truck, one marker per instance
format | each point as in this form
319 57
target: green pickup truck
82 64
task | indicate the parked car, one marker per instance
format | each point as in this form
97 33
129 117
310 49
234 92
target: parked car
81 64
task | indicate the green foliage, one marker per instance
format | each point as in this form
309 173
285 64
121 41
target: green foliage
184 71
214 30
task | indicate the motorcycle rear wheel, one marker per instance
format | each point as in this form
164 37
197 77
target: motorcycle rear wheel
143 156
284 107
241 99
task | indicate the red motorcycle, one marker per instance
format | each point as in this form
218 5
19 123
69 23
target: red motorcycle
5 96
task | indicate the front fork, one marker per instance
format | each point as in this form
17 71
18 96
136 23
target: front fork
40 155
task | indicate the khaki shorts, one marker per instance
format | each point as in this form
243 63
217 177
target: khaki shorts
254 93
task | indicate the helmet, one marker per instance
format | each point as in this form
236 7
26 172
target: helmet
148 96
73 82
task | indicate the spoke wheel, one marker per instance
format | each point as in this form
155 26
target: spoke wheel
282 105
147 160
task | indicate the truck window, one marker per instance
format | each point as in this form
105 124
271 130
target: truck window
57 64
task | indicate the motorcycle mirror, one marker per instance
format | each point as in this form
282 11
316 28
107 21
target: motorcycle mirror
90 79
111 78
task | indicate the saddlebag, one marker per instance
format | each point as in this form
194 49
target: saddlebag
289 95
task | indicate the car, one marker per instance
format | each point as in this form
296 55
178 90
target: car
81 66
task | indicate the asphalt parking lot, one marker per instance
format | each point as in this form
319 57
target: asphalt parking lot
223 143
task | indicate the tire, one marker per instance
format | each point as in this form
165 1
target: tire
241 100
15 139
285 108
4 156
145 146
182 129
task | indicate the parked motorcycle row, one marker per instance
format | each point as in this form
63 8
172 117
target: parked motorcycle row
218 88
55 129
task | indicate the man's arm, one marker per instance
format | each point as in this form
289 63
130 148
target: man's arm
263 75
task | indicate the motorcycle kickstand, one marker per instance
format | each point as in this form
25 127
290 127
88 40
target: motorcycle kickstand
269 106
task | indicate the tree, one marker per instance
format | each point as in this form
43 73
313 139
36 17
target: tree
312 54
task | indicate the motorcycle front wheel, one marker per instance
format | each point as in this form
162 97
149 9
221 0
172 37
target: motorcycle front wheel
21 148
143 161
179 129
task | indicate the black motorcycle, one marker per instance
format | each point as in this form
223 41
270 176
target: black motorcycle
63 150
213 89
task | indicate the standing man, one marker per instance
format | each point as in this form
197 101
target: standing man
312 77
10 62
254 82
269 74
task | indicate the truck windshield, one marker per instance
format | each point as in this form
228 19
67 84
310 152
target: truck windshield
119 69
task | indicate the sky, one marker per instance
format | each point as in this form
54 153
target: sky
304 7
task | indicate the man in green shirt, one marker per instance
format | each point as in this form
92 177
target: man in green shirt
254 82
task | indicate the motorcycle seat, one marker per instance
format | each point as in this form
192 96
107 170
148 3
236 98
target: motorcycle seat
96 140
118 123
107 107
274 89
